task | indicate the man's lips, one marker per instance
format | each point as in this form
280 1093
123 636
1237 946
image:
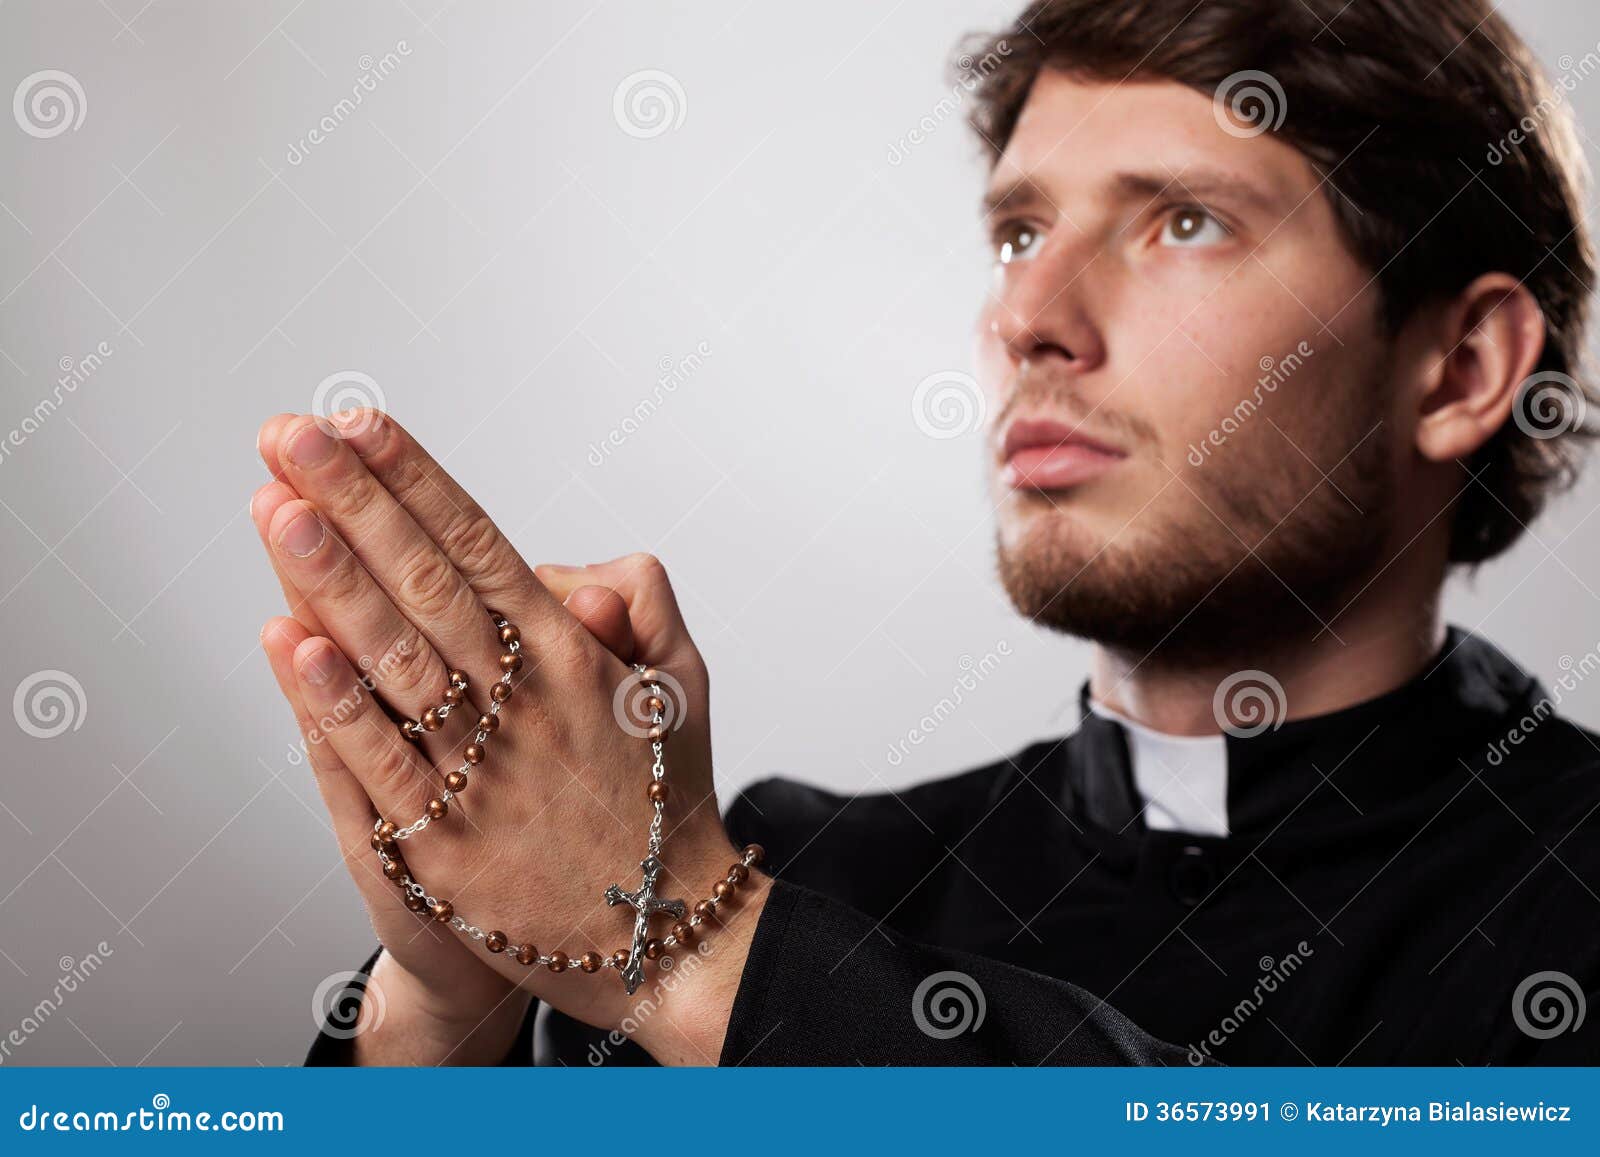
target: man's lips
1044 454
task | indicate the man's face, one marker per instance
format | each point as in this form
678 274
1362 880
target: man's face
1190 436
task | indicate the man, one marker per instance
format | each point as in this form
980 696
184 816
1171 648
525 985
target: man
1287 304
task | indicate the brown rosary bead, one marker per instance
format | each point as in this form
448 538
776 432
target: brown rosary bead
437 809
738 874
458 678
649 675
722 889
653 949
754 853
558 961
500 692
487 722
495 942
655 703
511 661
527 954
590 962
510 634
431 720
378 842
387 830
706 910
454 694
619 959
408 731
443 911
658 791
456 781
415 902
393 870
473 753
683 931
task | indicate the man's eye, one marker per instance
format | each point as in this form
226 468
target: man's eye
1190 226
1014 240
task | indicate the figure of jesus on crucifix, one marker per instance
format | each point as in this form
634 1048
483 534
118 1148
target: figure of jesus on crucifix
644 905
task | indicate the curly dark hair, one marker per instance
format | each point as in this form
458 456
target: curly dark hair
1447 154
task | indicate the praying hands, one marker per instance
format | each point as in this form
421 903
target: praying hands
548 727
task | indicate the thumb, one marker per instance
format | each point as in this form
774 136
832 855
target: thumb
604 615
640 580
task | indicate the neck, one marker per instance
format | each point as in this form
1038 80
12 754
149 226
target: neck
1373 647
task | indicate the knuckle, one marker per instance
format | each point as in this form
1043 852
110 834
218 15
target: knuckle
409 667
429 585
352 499
475 543
649 568
404 472
392 774
345 581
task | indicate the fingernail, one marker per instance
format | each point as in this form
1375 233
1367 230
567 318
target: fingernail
364 430
319 666
311 446
303 535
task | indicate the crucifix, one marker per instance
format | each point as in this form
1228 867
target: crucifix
644 905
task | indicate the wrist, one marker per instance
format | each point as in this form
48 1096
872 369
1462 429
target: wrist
415 1024
682 1019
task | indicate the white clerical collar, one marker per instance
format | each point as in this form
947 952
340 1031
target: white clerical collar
1182 780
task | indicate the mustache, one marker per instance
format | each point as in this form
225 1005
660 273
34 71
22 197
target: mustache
1060 398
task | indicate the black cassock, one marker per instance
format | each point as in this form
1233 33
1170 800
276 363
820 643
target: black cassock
1412 880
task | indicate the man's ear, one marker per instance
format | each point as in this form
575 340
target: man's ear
1487 342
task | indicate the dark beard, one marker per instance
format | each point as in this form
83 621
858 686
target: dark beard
1192 592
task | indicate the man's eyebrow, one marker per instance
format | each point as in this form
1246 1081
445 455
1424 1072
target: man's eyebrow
1200 182
1195 181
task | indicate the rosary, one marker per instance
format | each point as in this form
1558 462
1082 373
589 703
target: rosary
629 962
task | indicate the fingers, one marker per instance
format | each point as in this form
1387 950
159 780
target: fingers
604 615
405 562
659 632
347 804
267 440
391 771
448 515
398 660
262 507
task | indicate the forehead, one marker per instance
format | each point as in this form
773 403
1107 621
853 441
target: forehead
1074 135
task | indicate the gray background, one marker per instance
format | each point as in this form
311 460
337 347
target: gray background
511 268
